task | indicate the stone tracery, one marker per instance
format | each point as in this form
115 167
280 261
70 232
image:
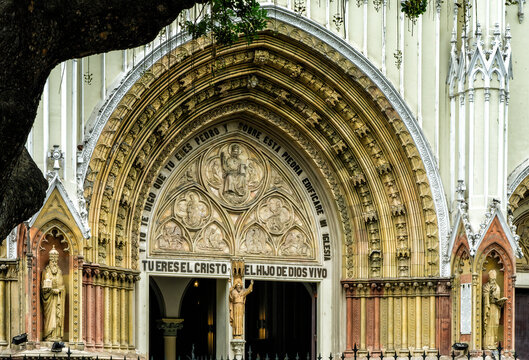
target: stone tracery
262 214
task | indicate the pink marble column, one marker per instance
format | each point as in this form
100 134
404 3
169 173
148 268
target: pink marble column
98 313
91 314
85 308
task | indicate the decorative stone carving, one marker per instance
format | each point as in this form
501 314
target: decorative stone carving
171 238
255 241
375 263
235 173
213 240
53 298
192 209
170 327
210 221
302 31
295 244
492 304
276 214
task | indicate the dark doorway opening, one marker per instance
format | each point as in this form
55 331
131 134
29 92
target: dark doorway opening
198 311
281 319
156 311
522 322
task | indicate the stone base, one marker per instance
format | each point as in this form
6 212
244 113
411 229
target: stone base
237 346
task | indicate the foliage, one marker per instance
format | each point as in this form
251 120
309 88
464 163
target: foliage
229 18
413 8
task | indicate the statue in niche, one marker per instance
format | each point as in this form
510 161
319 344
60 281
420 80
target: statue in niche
192 210
237 303
234 172
53 294
276 215
256 241
172 238
492 304
295 244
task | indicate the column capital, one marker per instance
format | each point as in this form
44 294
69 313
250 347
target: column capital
170 326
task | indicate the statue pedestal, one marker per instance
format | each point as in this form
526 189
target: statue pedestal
237 347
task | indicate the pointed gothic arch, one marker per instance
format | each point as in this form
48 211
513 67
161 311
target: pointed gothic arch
318 97
361 134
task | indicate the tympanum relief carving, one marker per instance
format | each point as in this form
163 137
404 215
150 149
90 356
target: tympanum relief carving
233 199
234 173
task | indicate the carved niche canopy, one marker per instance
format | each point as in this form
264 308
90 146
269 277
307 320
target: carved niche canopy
233 199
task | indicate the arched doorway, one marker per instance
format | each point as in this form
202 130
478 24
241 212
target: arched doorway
280 319
199 313
331 178
156 312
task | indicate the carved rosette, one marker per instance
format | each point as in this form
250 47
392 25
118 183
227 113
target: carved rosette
233 199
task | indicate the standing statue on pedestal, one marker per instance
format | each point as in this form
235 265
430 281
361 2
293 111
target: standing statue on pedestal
492 304
237 303
52 294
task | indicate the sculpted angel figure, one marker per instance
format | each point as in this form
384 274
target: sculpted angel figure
237 303
52 294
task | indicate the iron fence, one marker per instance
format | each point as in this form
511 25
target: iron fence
354 354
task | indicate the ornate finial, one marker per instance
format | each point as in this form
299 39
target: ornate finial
508 36
460 190
520 11
237 268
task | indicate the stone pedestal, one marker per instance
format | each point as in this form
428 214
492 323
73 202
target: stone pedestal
170 328
237 346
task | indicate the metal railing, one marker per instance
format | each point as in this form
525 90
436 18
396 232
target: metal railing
355 354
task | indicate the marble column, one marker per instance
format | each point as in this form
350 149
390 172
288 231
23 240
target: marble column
123 326
170 328
90 314
349 299
391 316
107 319
363 323
115 317
432 323
2 313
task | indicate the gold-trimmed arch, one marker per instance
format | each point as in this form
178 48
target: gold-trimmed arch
519 208
321 102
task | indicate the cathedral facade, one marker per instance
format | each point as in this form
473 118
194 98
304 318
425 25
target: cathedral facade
352 182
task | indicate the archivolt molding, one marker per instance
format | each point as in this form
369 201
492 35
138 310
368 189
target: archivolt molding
522 229
518 185
374 137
